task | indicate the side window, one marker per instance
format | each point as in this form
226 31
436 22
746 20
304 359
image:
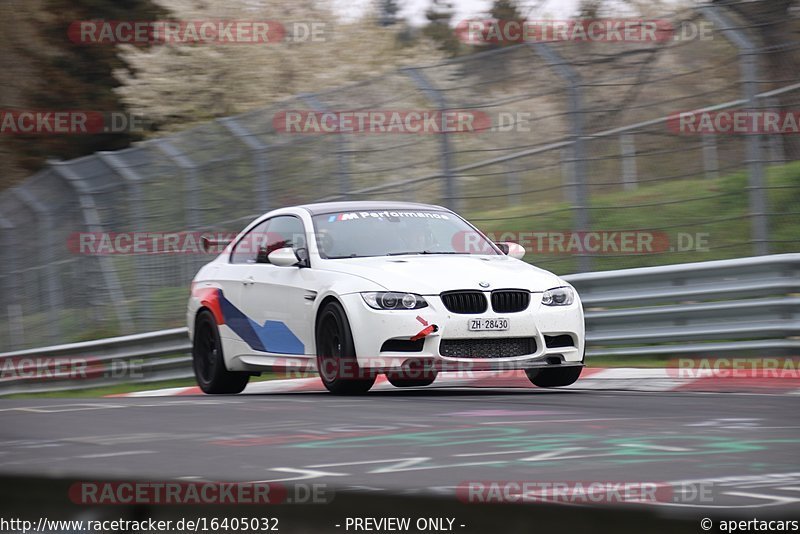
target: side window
284 231
246 250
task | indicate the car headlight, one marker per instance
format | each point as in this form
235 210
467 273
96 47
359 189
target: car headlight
392 300
558 296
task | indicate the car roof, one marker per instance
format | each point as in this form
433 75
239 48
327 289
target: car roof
366 205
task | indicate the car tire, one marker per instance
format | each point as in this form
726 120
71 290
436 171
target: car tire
400 381
209 366
553 377
336 354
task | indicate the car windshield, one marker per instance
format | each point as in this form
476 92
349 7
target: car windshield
394 233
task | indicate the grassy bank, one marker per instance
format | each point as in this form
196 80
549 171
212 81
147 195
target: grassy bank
690 220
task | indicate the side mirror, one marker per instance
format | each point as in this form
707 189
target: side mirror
283 257
515 250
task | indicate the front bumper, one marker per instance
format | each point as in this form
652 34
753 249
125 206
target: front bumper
540 326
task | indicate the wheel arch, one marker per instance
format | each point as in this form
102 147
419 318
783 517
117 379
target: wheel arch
197 313
324 302
201 309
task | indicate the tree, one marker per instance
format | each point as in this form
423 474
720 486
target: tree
590 9
44 70
175 85
504 11
440 15
388 12
775 30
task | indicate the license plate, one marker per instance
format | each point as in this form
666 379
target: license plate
488 324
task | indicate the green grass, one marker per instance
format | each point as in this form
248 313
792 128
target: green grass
631 361
717 208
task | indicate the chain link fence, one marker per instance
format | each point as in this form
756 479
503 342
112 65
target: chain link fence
581 148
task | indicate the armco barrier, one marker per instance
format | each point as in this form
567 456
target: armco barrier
706 308
152 356
742 306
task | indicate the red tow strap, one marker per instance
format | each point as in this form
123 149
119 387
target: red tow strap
424 332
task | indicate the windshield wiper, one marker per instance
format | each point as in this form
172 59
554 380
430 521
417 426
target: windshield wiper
423 252
342 257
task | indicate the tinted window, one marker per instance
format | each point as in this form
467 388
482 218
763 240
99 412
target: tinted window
272 234
246 250
284 231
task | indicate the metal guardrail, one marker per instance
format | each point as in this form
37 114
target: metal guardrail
148 357
742 306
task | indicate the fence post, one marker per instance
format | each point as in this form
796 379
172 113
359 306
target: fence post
777 155
259 151
748 64
53 301
191 187
579 183
568 174
343 170
710 156
451 194
133 184
93 223
191 184
513 187
627 147
13 310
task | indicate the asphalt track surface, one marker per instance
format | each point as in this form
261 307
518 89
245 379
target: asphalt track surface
739 450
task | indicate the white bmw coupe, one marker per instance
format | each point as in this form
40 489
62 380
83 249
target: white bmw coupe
356 289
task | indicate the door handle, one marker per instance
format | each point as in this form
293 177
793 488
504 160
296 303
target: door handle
248 281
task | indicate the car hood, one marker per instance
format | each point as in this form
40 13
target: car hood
432 274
